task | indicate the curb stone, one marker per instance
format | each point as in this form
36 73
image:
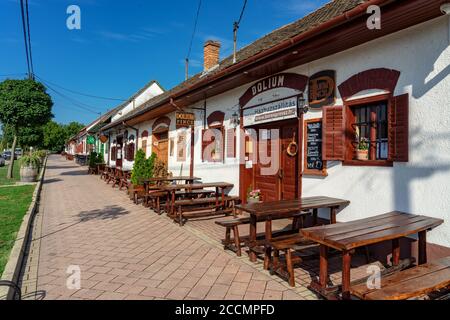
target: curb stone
14 265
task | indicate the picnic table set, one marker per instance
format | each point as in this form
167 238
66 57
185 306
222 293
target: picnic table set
185 197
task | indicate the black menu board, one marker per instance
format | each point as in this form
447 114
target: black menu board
313 148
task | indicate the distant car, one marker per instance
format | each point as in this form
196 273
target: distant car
2 161
18 152
7 155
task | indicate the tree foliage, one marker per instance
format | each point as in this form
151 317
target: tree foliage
24 103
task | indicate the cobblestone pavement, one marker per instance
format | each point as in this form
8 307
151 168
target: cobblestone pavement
126 251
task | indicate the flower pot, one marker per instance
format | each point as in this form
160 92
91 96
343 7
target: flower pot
362 155
253 200
28 174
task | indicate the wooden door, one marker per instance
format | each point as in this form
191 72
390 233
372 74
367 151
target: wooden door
283 183
288 163
268 184
119 152
161 146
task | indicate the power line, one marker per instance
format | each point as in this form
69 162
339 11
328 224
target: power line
73 101
192 38
81 93
242 13
235 30
25 37
29 38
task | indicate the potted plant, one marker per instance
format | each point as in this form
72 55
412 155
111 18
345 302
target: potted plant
142 169
29 168
254 196
362 150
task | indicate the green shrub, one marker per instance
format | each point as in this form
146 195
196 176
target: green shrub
100 159
149 165
138 173
93 159
40 154
30 161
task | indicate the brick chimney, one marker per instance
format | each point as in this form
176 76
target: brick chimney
211 52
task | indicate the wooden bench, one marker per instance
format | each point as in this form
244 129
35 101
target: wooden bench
235 243
410 283
287 244
203 207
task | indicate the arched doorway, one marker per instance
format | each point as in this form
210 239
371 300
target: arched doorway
160 139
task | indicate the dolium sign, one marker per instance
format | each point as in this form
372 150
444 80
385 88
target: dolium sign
270 112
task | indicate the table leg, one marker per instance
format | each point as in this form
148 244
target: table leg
252 237
172 204
217 196
346 261
323 266
333 215
223 197
422 247
395 252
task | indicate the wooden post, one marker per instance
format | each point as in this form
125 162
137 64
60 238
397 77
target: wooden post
333 215
395 252
253 222
346 261
323 265
423 247
191 169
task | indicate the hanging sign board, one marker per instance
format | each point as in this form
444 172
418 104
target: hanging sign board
322 89
313 163
90 140
103 139
270 112
184 119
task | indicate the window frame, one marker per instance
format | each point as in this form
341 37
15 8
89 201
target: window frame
349 106
221 129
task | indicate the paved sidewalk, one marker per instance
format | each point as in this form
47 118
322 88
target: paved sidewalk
126 251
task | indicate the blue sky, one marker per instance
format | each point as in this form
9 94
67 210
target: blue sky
122 45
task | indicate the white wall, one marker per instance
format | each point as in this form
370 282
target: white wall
421 186
151 92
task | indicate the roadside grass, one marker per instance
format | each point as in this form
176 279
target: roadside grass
4 171
14 203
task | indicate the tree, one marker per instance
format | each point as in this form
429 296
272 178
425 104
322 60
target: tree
55 136
23 103
72 129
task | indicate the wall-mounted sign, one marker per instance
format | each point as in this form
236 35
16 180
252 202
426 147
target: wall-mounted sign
283 80
103 138
90 140
313 163
269 112
322 89
184 119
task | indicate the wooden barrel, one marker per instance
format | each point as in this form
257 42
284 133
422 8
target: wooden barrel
28 174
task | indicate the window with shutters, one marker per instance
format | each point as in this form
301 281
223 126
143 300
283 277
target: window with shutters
113 154
213 144
381 122
370 129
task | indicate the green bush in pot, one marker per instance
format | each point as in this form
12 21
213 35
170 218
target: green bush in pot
29 168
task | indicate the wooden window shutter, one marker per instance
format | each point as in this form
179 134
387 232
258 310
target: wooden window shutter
231 143
398 133
333 133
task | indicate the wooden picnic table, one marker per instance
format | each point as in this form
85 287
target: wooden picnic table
171 190
187 179
348 236
273 210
